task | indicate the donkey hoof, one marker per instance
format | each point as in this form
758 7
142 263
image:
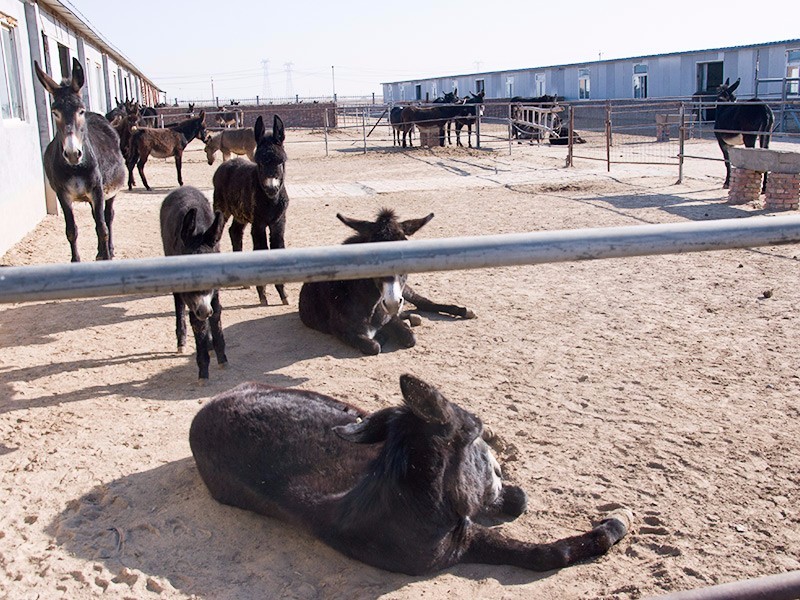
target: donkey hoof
468 314
285 301
624 516
181 349
223 364
414 320
202 381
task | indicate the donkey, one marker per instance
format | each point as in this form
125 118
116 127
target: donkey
161 143
149 116
469 112
397 489
83 162
740 123
226 118
364 313
237 141
398 127
255 193
429 116
189 226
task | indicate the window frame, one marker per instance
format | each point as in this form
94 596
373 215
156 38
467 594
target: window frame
11 73
640 81
584 83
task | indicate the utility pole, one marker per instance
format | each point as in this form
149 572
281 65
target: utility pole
333 83
213 95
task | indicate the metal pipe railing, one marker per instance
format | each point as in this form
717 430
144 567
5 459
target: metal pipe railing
784 586
355 261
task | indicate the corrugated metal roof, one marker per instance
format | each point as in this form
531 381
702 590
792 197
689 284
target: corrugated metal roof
596 62
69 15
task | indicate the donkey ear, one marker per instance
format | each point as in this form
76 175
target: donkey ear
727 81
187 227
214 233
362 227
735 85
48 82
413 225
369 430
278 131
77 75
258 128
202 116
424 400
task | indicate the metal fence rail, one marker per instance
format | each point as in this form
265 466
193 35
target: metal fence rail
186 273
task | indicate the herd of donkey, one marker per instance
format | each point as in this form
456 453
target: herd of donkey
401 489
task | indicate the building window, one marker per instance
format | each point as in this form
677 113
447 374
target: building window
10 88
539 83
509 87
63 59
418 92
793 72
480 86
640 81
709 77
584 84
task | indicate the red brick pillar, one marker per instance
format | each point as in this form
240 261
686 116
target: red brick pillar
745 186
783 191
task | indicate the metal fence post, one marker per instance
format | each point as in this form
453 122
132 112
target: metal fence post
326 132
478 110
510 125
681 139
608 136
364 127
571 139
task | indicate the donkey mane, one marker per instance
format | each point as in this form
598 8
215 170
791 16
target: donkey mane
387 229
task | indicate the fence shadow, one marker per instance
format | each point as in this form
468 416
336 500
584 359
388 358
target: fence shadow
680 206
163 523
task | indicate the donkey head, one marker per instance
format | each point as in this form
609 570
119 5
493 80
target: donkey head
386 228
270 156
436 430
725 91
68 110
202 242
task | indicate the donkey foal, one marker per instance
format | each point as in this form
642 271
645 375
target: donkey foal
188 226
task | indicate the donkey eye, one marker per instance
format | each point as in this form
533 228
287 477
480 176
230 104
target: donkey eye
82 112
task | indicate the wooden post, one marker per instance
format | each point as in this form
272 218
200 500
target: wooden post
571 142
608 136
510 125
681 139
478 125
364 126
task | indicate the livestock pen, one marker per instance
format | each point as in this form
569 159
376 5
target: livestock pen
664 383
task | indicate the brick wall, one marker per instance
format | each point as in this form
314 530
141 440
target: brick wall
292 115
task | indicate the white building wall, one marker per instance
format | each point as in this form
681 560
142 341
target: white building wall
22 200
94 79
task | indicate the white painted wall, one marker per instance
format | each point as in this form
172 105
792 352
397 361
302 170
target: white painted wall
22 201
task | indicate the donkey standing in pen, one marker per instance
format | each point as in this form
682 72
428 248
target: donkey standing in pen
189 226
255 193
83 162
740 123
162 143
364 313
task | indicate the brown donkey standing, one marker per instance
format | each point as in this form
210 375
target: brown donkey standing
163 143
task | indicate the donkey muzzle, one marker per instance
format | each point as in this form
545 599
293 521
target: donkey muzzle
72 149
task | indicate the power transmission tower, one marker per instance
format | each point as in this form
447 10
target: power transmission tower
289 87
265 88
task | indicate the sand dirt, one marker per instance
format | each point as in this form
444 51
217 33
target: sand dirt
668 384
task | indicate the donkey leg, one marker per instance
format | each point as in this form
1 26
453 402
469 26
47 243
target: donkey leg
236 232
180 322
259 235
202 340
178 162
140 166
72 230
469 135
488 546
99 214
276 231
425 305
109 217
359 341
215 322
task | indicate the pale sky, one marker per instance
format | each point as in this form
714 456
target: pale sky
182 45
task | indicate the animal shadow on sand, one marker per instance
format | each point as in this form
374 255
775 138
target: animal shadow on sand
209 549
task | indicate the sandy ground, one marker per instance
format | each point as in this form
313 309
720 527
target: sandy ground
667 384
